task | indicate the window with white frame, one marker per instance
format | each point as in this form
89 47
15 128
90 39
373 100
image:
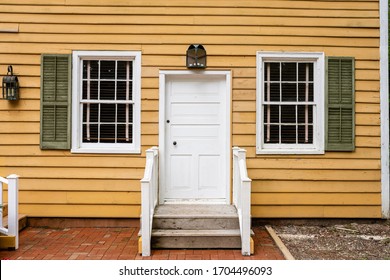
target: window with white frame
290 102
106 102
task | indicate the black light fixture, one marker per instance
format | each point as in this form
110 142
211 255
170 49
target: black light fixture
196 57
10 85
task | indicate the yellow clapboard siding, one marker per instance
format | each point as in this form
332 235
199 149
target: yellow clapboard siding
80 211
359 153
235 54
19 139
282 186
316 199
316 211
302 174
368 141
76 161
34 150
63 184
367 119
347 4
185 11
79 197
184 19
76 173
271 163
184 39
101 185
201 30
9 27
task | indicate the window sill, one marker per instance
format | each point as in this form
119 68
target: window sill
105 151
289 152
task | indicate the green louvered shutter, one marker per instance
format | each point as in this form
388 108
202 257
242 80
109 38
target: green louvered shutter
55 101
340 107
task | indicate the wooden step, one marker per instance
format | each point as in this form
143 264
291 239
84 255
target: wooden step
196 239
185 217
196 226
22 221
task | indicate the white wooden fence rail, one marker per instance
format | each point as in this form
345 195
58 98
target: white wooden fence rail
149 197
242 197
13 207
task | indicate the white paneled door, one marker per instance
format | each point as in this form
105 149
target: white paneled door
196 138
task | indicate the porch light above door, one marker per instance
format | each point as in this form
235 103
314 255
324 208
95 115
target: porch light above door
196 57
10 85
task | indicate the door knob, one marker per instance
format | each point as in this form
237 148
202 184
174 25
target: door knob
174 143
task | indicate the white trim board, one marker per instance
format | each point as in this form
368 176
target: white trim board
384 100
164 74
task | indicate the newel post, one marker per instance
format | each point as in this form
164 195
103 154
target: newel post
13 207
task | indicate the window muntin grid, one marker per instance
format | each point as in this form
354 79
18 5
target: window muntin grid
288 102
107 101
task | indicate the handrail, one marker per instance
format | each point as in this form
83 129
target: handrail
242 197
149 198
13 207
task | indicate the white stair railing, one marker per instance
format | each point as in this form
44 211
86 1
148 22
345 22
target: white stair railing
13 207
242 198
149 198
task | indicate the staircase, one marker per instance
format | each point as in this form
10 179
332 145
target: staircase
195 226
21 217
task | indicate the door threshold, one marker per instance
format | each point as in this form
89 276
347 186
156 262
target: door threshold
195 201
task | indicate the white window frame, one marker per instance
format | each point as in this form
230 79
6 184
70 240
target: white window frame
318 60
117 148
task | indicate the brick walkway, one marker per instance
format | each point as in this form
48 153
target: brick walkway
119 244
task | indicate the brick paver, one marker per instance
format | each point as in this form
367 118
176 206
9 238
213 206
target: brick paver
120 244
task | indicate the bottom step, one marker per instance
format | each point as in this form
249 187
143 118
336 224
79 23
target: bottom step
192 239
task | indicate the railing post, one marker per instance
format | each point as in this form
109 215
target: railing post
236 176
13 207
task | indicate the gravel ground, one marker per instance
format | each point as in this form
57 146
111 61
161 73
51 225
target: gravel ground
369 240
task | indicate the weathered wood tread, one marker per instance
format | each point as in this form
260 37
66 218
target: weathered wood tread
195 211
198 233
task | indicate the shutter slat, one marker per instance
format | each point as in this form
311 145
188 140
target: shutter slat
340 113
55 101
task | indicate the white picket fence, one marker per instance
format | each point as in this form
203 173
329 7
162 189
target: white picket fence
13 207
242 197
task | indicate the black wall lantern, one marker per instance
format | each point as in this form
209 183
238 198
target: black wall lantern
10 85
196 56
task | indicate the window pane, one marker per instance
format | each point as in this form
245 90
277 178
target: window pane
271 114
288 134
289 92
93 90
107 90
107 133
305 72
121 91
107 69
107 112
125 133
302 92
122 70
288 114
274 71
93 69
271 134
90 133
305 134
124 110
289 71
305 112
93 111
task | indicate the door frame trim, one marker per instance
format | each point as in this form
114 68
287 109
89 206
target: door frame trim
163 74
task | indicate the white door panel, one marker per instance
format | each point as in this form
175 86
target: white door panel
195 138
